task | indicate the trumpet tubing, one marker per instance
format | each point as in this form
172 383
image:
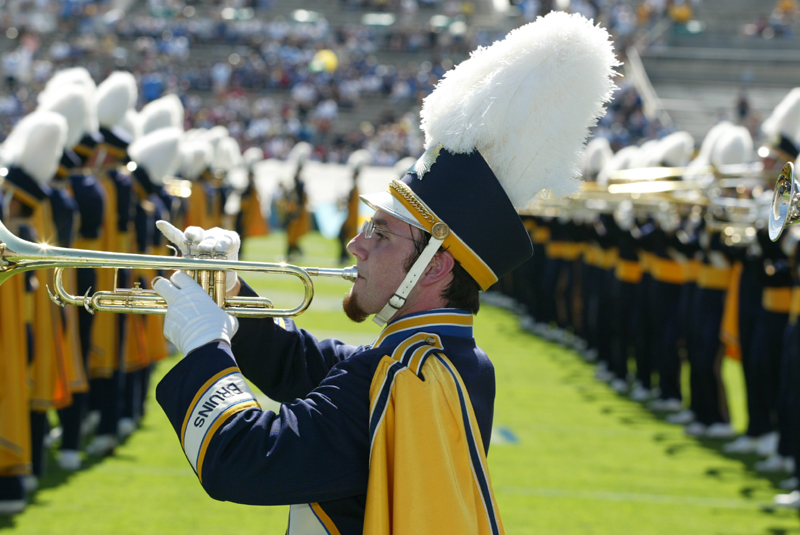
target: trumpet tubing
18 256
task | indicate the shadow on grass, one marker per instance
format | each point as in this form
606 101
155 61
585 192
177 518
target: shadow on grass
55 476
578 374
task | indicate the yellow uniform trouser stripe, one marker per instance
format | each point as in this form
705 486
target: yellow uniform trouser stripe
325 519
778 300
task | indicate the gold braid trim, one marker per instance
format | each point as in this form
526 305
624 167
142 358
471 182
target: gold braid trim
409 196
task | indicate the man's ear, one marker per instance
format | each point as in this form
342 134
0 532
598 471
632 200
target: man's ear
439 268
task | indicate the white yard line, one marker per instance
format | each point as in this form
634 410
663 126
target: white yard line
632 497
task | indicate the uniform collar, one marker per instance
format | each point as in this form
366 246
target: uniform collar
444 321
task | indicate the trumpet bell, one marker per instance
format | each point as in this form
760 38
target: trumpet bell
784 210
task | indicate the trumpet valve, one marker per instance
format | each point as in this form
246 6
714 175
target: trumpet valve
219 288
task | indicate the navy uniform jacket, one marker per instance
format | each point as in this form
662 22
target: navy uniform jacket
314 453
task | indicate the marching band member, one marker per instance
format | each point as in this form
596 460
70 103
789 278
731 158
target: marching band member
627 276
205 203
31 153
155 155
349 229
75 194
228 160
790 379
115 100
361 442
781 130
196 156
297 219
250 220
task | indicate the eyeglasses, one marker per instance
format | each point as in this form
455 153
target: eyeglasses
369 228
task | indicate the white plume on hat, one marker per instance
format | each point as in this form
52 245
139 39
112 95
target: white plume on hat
359 159
131 125
252 156
71 104
676 149
300 152
598 153
214 134
620 161
527 103
165 112
196 156
703 157
735 146
114 97
36 144
80 77
157 152
227 155
647 155
785 118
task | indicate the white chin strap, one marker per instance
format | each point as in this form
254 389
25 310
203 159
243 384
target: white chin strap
399 298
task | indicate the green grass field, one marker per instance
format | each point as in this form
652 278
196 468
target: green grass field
569 456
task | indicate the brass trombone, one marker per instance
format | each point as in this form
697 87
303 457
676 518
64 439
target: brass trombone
18 256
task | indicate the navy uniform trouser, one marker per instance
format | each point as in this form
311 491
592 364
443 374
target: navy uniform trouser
665 300
766 354
106 394
750 309
643 331
591 301
623 307
604 317
705 357
537 274
71 417
788 393
547 288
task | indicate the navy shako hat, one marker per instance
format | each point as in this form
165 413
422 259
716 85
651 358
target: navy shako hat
27 185
115 143
87 145
502 126
488 242
782 127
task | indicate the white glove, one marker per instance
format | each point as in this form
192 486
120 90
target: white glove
215 241
193 319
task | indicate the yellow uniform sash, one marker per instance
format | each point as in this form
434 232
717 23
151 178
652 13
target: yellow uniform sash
540 235
628 271
729 329
714 278
666 270
254 223
794 309
197 211
48 369
778 300
106 330
15 430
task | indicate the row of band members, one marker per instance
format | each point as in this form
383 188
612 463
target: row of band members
85 171
643 292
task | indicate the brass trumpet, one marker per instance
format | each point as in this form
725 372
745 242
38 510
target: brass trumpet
18 256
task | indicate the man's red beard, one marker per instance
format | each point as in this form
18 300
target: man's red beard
352 308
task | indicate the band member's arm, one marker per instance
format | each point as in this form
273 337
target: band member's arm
283 361
315 449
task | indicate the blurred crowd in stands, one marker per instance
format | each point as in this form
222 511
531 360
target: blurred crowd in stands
276 76
779 22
